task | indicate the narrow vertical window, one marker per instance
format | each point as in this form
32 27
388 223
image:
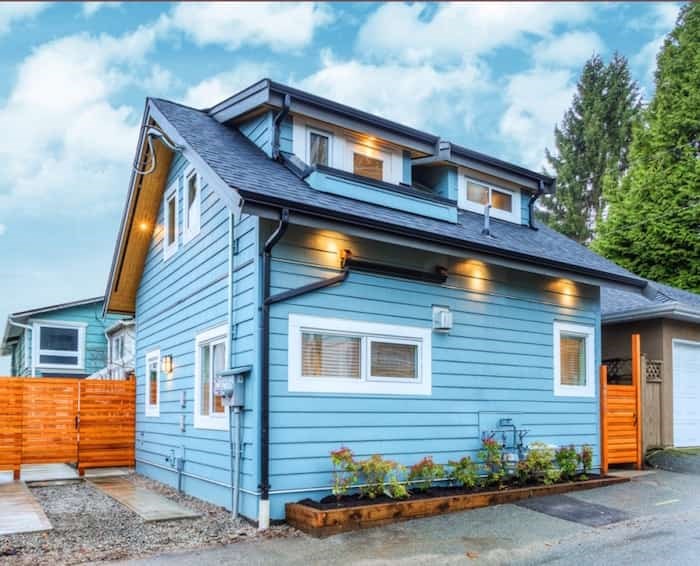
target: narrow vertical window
193 199
170 239
152 384
210 360
319 149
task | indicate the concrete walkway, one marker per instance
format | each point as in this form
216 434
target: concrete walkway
58 472
20 512
149 505
663 510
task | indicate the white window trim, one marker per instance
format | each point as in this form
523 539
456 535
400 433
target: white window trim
36 341
190 231
587 332
212 422
369 331
515 215
151 410
169 250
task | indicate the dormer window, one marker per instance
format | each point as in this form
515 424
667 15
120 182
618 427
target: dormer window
367 166
368 161
319 148
475 195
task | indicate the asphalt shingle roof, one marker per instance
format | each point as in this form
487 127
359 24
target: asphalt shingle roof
246 168
617 301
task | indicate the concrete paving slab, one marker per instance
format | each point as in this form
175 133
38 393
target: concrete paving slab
575 510
632 474
20 512
149 505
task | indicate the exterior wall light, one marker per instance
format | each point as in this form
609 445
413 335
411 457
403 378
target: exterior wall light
167 364
442 319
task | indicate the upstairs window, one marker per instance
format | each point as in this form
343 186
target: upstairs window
192 205
211 355
319 148
475 195
574 363
348 356
170 234
59 345
152 384
368 166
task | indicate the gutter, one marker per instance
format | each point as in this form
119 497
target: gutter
413 233
674 311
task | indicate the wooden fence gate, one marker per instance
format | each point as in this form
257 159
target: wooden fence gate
65 420
621 416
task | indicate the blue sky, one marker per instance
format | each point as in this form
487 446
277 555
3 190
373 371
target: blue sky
73 79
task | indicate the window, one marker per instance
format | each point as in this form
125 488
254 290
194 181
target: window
193 200
58 344
152 384
210 359
475 195
328 355
170 235
574 360
319 148
367 166
116 349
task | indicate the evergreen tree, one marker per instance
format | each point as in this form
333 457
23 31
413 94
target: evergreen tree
653 225
592 143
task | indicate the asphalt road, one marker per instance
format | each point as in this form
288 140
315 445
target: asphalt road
663 527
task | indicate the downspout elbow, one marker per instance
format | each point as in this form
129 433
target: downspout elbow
277 120
531 205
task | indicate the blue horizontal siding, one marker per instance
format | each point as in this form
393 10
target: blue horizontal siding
496 361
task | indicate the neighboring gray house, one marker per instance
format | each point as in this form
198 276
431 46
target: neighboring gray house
121 338
668 322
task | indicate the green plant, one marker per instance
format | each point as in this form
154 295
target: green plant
551 476
425 472
345 470
567 460
381 478
538 464
465 472
491 456
586 459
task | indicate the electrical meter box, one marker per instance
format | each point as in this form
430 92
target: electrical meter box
230 386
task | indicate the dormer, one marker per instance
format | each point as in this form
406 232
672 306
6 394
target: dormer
344 151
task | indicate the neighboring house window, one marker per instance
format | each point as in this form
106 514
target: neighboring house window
170 235
574 360
319 148
59 345
328 355
117 348
152 385
475 195
193 199
210 358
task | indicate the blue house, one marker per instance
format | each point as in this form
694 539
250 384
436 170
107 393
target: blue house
64 340
375 286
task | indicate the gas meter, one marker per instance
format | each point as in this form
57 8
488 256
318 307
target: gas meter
230 386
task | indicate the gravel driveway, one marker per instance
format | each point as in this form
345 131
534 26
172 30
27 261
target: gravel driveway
90 526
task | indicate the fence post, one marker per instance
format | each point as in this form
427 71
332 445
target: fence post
637 381
603 419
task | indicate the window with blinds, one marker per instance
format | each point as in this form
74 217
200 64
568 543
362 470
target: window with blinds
572 360
347 356
152 396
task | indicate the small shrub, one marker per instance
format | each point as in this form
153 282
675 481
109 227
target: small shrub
425 472
345 470
567 459
465 472
491 456
586 459
537 465
551 476
381 478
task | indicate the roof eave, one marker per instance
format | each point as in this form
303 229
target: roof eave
674 311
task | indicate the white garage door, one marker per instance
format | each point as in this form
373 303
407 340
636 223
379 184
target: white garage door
686 393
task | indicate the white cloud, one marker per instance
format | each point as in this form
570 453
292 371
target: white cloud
11 12
418 95
661 18
407 32
91 8
219 87
536 101
279 26
568 50
71 147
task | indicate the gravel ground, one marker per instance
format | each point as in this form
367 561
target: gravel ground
89 526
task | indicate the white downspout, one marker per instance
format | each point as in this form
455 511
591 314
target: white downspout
25 327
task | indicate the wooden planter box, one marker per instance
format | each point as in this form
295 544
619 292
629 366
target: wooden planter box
324 522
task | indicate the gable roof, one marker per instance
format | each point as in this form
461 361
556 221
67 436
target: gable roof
658 301
258 179
21 317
